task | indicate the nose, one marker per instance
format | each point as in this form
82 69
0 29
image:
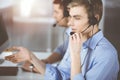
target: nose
70 22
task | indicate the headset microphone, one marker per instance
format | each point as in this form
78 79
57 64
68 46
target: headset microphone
55 24
71 33
85 29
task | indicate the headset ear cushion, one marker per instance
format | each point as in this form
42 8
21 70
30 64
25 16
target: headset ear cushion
93 21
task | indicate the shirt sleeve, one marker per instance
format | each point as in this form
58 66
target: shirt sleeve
54 73
104 67
79 77
61 49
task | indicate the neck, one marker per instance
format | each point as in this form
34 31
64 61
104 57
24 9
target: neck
94 30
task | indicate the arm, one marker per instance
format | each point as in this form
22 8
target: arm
104 68
24 54
38 64
104 64
75 48
56 56
51 73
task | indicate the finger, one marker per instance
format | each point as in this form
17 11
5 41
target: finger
78 37
9 57
71 38
15 60
74 36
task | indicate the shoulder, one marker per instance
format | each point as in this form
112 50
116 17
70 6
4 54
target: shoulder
105 50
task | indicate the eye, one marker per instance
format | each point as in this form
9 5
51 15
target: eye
77 18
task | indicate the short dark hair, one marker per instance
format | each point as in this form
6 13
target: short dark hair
63 5
93 7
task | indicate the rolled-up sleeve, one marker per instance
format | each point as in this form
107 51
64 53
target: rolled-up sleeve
55 73
52 73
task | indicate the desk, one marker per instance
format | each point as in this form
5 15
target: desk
22 75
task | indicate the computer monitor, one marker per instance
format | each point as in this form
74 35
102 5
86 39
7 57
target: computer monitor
3 35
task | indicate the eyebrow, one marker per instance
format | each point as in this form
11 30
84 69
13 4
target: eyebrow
76 16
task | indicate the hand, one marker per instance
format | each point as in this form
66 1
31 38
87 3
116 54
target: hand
26 67
75 43
27 64
21 55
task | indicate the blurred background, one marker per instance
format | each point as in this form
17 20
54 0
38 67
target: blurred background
29 23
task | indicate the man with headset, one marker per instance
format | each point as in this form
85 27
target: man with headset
93 57
89 56
61 15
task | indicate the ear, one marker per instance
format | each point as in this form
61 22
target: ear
97 17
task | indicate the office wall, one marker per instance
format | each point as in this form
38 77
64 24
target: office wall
112 23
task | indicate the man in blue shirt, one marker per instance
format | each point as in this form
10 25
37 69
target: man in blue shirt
89 56
60 14
92 56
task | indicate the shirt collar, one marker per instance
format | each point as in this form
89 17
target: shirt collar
93 41
68 30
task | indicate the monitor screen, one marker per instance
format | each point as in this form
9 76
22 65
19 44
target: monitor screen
3 35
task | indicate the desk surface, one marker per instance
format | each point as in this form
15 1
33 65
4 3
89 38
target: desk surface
22 75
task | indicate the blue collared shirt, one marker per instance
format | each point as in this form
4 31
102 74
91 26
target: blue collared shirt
99 61
61 49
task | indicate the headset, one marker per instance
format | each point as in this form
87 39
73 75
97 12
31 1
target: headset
64 4
92 19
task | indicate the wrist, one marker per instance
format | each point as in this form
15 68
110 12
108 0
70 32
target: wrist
31 58
75 56
45 61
